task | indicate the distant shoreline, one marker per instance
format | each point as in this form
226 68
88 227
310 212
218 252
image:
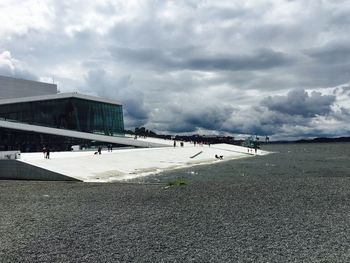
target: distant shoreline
315 140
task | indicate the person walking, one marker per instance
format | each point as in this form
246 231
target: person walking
47 153
44 152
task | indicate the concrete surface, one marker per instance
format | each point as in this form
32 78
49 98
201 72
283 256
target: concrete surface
132 163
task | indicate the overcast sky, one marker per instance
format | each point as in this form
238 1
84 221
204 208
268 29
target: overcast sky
267 67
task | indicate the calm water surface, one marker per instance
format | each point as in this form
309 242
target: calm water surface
287 160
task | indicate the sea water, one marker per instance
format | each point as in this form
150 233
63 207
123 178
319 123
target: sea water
287 160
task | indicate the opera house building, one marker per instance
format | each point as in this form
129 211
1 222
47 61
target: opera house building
34 115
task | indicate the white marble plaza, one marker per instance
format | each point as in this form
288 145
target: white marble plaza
123 164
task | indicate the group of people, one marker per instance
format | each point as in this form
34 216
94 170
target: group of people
109 149
250 150
194 143
181 144
200 143
46 150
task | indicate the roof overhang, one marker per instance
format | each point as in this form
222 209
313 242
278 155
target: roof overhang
56 97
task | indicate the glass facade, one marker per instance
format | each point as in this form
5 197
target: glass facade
26 141
68 113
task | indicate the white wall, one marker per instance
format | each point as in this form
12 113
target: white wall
16 88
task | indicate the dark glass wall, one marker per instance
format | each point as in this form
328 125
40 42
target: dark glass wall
70 113
26 141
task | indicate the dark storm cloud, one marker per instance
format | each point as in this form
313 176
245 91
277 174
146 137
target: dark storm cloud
181 117
342 114
292 115
262 121
102 84
261 60
340 18
332 53
277 33
329 75
299 102
209 117
146 56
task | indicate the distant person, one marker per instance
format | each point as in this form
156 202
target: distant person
109 147
256 150
47 153
99 150
174 143
44 152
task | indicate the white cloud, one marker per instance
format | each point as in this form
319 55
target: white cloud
21 16
7 63
11 67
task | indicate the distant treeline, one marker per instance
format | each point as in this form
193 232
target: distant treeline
142 131
318 140
315 140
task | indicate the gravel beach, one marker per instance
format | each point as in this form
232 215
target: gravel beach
292 206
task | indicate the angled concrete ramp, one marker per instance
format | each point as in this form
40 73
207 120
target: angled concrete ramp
131 163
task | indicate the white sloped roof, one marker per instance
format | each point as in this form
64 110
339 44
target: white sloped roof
77 134
58 96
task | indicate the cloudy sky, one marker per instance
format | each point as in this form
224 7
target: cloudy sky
268 67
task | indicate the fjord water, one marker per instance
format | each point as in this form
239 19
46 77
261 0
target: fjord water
290 206
287 160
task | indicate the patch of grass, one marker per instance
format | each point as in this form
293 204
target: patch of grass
177 182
